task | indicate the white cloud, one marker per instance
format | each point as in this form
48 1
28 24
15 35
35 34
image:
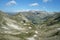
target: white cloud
45 0
34 4
12 2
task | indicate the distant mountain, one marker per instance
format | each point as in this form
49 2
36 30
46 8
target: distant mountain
31 25
35 16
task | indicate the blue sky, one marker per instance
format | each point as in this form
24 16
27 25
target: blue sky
25 5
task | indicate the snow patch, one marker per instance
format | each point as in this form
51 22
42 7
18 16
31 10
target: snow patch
36 32
35 35
5 27
30 27
25 24
31 38
14 26
26 32
58 28
9 20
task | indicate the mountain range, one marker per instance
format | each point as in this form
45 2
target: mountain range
31 25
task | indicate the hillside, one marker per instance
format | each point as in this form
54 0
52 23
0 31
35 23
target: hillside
37 25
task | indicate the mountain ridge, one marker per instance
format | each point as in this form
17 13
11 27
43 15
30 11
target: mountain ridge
30 26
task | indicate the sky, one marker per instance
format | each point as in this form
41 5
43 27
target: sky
26 5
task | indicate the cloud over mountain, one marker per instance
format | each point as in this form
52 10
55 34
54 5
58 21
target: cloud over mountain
12 2
46 1
34 4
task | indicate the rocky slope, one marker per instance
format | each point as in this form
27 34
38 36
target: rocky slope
30 26
36 17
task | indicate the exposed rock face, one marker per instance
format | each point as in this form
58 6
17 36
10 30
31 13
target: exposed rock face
22 27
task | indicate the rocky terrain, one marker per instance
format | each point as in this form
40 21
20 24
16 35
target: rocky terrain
37 25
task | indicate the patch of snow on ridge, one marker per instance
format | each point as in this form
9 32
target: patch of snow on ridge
30 27
31 38
9 20
5 27
36 32
14 26
58 28
35 35
10 32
